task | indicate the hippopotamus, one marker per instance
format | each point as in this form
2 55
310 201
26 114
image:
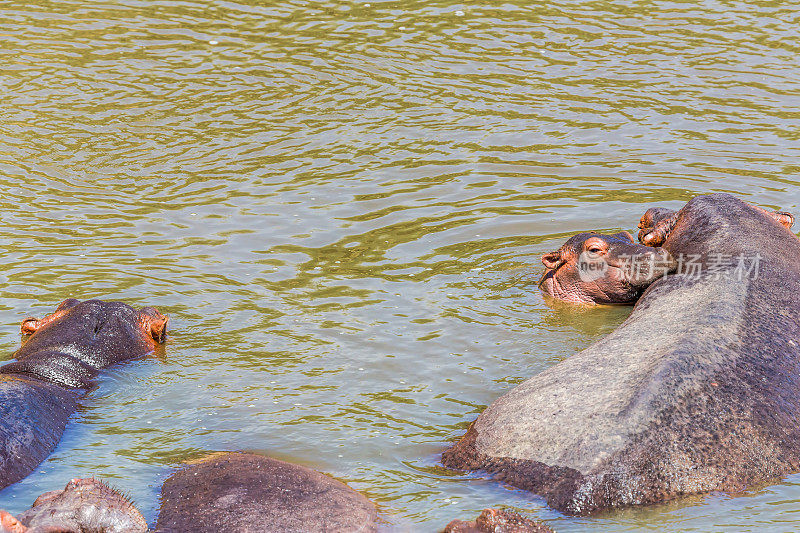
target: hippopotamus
55 368
698 390
248 492
83 505
494 521
592 268
226 491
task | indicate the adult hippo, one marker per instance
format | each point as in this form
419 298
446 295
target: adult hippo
56 366
592 268
698 390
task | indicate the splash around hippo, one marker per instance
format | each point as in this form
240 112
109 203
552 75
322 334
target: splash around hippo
592 268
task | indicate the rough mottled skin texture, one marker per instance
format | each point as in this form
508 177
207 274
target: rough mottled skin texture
698 390
494 521
33 415
40 389
626 269
85 505
241 492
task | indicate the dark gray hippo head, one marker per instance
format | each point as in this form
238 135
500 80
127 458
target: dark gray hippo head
69 346
592 268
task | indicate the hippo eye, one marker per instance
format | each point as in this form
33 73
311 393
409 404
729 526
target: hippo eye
595 249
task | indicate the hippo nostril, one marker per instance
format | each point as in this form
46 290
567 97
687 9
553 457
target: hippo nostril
544 276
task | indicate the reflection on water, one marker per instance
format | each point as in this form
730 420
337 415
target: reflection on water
341 205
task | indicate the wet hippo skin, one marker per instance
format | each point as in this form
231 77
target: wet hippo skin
227 491
658 223
85 505
698 390
497 521
249 493
592 268
56 366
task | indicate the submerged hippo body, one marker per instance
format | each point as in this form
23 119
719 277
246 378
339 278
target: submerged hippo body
85 505
698 390
249 493
54 368
592 268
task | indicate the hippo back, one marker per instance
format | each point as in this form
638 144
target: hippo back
33 416
249 492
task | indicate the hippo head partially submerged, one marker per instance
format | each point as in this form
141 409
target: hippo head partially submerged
591 268
70 345
84 505
40 389
112 318
498 521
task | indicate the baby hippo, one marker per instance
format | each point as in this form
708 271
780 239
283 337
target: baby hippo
591 268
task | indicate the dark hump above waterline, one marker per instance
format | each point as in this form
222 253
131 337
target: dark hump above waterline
33 416
721 223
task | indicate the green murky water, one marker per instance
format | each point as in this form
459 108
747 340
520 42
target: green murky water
341 206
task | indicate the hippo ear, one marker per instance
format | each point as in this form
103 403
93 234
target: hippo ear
158 329
657 234
155 323
11 524
30 325
552 260
784 219
781 217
